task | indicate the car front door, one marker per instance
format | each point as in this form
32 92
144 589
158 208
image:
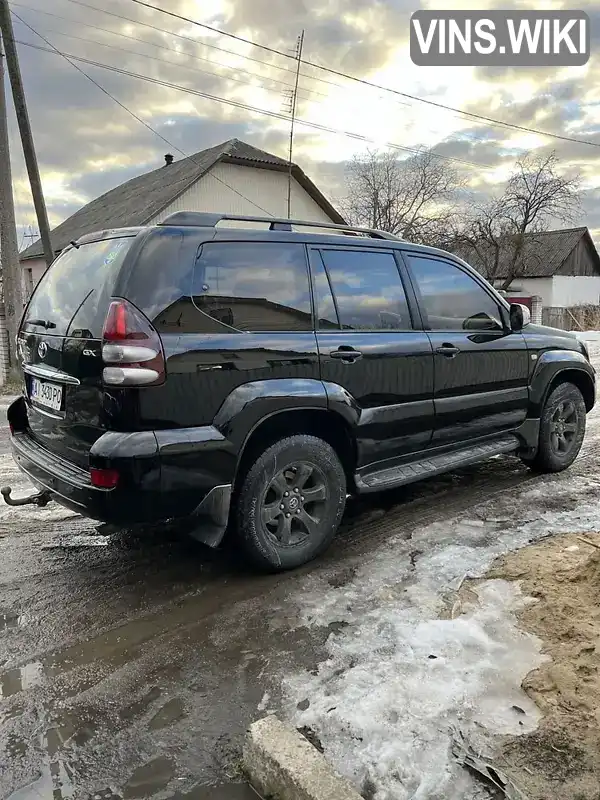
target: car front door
480 366
370 349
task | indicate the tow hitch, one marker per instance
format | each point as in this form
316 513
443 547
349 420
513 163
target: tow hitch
40 499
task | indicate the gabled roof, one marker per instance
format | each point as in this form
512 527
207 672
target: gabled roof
140 199
544 253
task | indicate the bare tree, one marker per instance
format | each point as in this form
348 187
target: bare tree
413 197
501 233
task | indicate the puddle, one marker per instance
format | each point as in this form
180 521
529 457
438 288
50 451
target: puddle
149 779
230 791
171 712
53 784
20 678
9 621
56 779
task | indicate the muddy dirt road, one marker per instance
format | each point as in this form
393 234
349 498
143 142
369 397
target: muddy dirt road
131 665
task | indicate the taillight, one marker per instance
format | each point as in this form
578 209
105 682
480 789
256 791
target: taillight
131 348
104 478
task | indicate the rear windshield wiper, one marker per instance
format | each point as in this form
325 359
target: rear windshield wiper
44 323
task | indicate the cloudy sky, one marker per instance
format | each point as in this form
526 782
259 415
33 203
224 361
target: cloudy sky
88 144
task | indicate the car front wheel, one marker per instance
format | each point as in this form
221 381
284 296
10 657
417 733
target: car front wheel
290 503
562 428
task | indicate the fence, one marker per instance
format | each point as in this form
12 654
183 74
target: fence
577 318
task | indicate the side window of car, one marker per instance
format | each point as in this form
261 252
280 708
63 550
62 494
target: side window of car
368 290
252 286
327 316
452 299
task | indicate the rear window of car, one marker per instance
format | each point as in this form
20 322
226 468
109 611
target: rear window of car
253 286
73 296
231 287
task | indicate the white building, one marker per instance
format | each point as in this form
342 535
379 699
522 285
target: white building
232 177
562 267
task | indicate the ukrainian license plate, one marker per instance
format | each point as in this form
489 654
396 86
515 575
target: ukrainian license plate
46 394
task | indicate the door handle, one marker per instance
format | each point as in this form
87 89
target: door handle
448 350
346 354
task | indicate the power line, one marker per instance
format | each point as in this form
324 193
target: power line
197 42
134 115
213 46
363 81
154 44
189 55
184 38
247 107
173 63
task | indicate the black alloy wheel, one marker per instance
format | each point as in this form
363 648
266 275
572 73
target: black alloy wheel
294 504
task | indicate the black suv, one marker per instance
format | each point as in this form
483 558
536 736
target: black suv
251 377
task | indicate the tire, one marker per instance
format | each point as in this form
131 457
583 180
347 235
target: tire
562 428
275 538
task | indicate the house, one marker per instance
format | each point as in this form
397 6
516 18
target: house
232 177
562 267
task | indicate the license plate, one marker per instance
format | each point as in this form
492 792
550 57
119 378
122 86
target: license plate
46 394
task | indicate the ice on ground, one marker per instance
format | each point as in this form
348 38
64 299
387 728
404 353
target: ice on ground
383 702
409 664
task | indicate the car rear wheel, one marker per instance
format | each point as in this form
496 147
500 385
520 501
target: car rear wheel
290 503
562 428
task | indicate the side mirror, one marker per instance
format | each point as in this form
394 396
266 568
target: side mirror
520 316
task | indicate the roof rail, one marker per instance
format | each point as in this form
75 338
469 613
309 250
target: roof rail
208 220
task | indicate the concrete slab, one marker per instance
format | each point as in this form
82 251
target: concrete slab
283 765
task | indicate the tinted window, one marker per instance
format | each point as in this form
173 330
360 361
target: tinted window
367 289
452 299
161 281
253 286
73 295
327 317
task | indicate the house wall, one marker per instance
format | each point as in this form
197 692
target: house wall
33 269
579 261
575 291
265 189
529 287
560 291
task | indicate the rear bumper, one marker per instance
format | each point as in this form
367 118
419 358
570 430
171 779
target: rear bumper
162 475
70 485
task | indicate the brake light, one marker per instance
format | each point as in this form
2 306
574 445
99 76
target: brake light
104 478
131 348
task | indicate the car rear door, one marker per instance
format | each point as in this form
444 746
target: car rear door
60 343
370 345
481 367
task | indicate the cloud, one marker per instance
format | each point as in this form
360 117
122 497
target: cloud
87 143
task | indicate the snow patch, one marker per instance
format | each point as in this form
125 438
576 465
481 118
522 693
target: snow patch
384 701
411 663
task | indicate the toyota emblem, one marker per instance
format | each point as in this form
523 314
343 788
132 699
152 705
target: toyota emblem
42 350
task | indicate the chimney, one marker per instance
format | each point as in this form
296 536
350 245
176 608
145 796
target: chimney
168 159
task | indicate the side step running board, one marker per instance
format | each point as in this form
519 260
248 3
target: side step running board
434 465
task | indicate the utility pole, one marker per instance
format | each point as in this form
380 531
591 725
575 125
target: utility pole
294 99
14 72
9 251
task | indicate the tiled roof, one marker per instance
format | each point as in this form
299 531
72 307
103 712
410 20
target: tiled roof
140 199
544 253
